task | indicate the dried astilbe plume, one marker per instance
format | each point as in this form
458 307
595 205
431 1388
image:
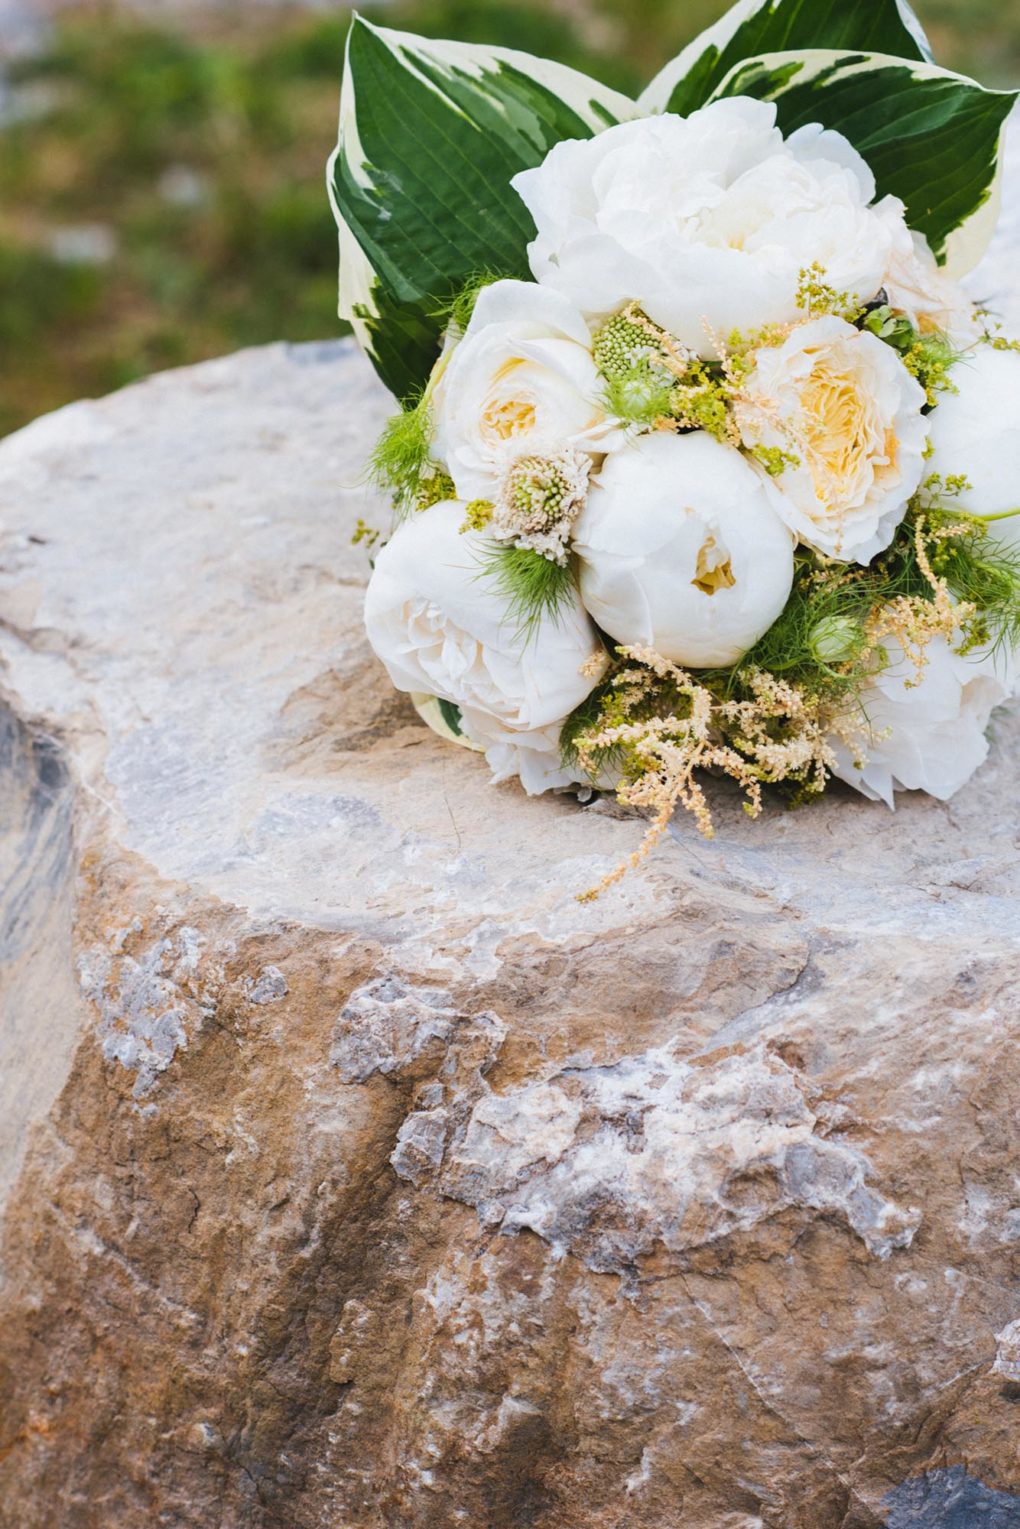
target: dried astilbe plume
662 726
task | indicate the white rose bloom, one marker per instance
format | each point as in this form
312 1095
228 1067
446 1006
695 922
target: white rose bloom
442 630
975 434
708 220
844 405
916 286
926 736
681 550
521 381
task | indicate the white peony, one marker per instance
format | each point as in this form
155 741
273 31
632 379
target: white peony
916 286
926 736
521 381
708 220
441 628
975 434
681 550
841 403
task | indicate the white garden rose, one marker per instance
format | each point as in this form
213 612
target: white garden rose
916 286
441 628
975 434
842 404
926 735
709 220
681 550
521 381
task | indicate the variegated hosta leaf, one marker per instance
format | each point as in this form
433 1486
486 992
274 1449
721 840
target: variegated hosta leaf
444 718
430 135
931 137
754 27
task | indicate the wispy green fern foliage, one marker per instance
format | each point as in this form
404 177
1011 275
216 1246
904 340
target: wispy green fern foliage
401 463
532 587
455 313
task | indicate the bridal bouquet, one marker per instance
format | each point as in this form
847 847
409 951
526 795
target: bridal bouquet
704 460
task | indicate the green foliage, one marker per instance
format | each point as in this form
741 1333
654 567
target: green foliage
41 301
929 357
200 158
985 572
584 719
799 644
775 26
638 388
451 715
980 38
526 25
648 379
424 222
401 462
640 398
533 587
455 313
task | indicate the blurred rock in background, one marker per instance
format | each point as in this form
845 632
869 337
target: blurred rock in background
161 162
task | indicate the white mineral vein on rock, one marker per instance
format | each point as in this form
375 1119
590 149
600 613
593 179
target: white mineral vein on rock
359 1178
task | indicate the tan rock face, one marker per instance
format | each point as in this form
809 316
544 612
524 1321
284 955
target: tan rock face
359 1178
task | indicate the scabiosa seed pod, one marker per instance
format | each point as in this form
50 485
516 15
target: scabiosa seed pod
538 501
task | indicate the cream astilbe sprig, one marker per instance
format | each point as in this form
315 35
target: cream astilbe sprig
661 726
801 752
915 620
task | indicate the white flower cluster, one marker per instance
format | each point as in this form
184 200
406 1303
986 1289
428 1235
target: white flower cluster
753 417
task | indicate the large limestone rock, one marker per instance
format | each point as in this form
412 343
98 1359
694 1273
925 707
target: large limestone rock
356 1176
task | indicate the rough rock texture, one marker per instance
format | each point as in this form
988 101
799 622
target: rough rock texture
359 1178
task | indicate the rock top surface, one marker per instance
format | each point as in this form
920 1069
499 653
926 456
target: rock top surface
356 1176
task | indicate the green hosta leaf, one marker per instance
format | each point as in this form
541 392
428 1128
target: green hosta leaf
754 27
932 138
452 717
430 135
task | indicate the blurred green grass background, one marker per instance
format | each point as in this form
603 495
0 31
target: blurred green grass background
161 187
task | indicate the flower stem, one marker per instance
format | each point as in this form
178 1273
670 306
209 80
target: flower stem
985 519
